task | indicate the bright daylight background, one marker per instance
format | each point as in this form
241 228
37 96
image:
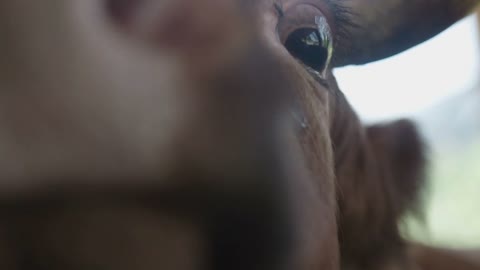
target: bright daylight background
437 84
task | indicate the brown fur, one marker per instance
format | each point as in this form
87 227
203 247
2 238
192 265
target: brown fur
372 40
379 173
444 259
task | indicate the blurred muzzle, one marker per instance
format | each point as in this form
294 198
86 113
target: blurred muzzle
222 201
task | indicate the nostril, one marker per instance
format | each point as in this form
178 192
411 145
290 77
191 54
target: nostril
122 11
152 20
184 25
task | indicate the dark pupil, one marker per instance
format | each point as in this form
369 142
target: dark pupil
307 46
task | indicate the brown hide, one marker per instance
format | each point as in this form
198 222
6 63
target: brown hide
444 259
183 135
380 175
160 154
386 27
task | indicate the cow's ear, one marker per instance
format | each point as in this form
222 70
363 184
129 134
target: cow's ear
399 148
382 28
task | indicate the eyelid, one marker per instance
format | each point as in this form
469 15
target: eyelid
296 17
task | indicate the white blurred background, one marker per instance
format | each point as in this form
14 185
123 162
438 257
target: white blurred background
437 84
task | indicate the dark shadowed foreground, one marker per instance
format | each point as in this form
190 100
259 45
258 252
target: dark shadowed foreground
190 135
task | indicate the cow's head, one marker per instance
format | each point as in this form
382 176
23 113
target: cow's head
188 134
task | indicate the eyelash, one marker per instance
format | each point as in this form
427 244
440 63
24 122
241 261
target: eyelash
344 21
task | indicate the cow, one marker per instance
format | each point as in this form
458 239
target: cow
204 134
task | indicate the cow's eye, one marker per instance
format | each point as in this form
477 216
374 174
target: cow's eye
312 46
